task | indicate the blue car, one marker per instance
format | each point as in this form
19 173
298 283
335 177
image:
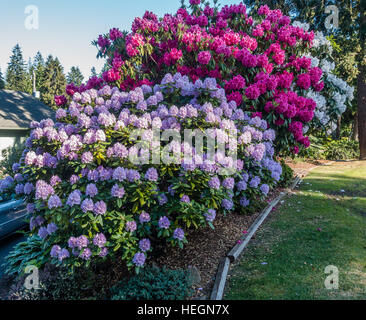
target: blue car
13 216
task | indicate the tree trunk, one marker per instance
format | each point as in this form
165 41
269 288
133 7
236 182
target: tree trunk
361 101
361 84
355 128
339 128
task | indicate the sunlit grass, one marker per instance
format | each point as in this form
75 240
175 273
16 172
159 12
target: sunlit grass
323 223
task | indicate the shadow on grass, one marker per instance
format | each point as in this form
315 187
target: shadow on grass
287 259
337 185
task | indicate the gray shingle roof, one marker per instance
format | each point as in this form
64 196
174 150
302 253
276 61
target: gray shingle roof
19 109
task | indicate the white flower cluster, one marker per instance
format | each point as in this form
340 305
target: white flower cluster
327 66
342 85
337 91
321 107
301 25
314 60
320 40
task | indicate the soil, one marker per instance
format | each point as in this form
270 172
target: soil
206 247
302 168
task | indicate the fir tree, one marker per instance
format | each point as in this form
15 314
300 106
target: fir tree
16 74
53 81
2 81
93 72
39 67
75 76
105 68
28 85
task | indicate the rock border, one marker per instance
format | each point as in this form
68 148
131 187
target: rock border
223 268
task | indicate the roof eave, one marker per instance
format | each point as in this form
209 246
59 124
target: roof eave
14 128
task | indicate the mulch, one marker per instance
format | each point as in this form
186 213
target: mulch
206 247
302 168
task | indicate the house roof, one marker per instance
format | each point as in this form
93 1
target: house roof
19 109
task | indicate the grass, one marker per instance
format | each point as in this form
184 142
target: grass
323 223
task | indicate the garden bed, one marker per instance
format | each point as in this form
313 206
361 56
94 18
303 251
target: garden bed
205 248
302 168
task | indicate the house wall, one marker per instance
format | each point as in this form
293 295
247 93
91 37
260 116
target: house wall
10 138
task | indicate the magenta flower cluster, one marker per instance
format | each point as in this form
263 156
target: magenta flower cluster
258 59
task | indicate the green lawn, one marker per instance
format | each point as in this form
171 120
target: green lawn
323 223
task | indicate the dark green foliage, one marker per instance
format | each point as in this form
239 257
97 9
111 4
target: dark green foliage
342 149
75 76
327 148
28 252
155 284
53 81
58 284
16 74
93 72
287 175
10 155
2 81
88 284
38 67
316 149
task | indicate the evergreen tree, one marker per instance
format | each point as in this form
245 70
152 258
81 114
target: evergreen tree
28 86
38 60
39 67
2 81
75 76
93 72
106 67
16 74
53 81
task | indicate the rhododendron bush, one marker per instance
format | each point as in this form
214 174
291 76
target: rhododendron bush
258 59
336 95
114 175
94 192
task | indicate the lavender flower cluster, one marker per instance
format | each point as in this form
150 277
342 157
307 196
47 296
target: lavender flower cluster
79 169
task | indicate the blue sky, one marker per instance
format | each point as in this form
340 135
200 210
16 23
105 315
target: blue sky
66 28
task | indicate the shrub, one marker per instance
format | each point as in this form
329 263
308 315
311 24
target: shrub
93 191
327 148
287 175
59 284
155 284
342 149
316 149
336 95
258 59
10 156
26 253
